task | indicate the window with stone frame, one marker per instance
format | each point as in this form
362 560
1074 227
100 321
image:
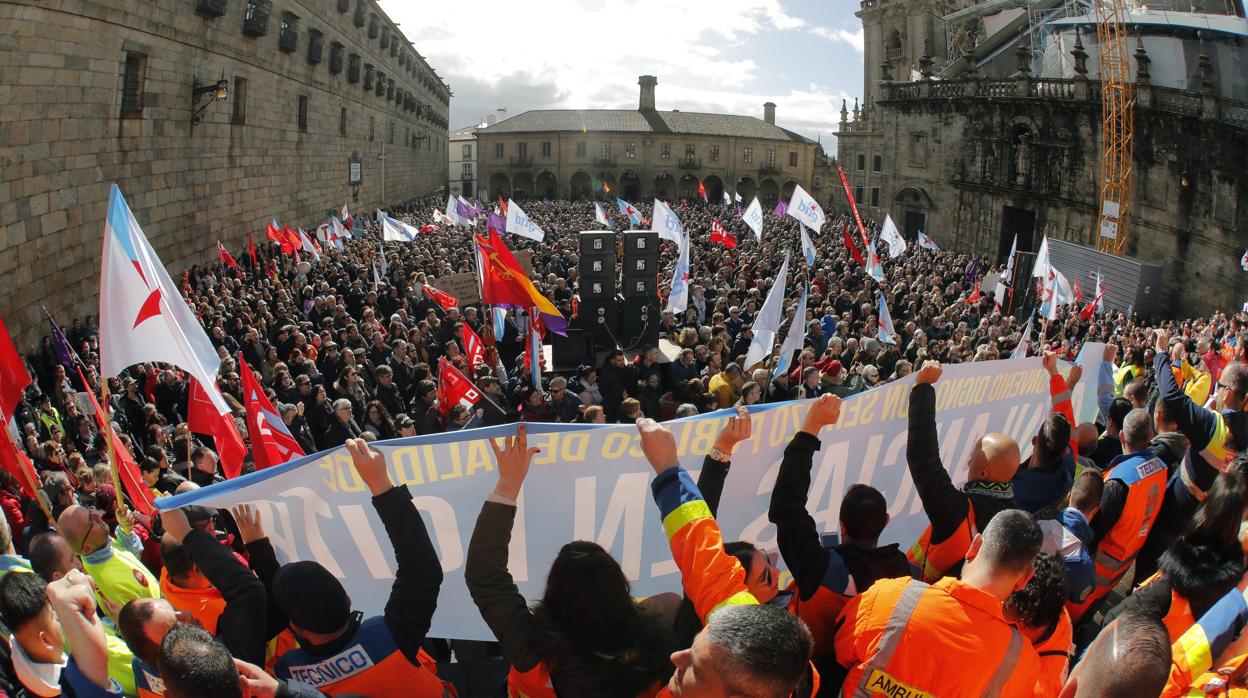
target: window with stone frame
238 114
747 155
133 71
630 150
714 153
336 52
690 150
316 45
862 162
303 112
288 33
498 151
466 152
545 149
876 163
665 151
875 196
353 68
580 149
256 17
792 158
374 26
342 122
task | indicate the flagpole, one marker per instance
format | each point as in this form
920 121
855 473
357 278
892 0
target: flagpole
108 438
22 461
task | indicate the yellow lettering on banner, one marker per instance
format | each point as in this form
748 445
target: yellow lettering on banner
407 466
615 445
880 682
867 414
704 433
348 479
480 459
683 435
779 433
331 478
756 442
457 463
573 447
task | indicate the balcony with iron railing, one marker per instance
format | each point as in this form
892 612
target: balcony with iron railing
689 163
769 169
605 160
521 160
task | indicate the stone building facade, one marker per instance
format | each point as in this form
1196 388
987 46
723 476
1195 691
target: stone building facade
642 153
97 93
973 160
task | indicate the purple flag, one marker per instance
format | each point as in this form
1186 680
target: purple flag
497 222
64 355
972 271
465 211
781 209
547 202
737 213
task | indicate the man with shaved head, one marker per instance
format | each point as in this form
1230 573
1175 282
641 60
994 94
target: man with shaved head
955 514
113 562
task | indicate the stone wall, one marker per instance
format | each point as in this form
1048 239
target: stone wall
965 155
63 140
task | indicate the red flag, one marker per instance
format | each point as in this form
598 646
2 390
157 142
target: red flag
454 388
274 233
853 249
974 297
271 442
1090 308
251 248
503 282
1078 292
444 300
428 228
202 418
291 242
501 204
13 376
473 346
224 254
702 193
127 469
718 234
18 465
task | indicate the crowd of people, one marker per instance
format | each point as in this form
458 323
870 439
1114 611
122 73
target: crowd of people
1108 562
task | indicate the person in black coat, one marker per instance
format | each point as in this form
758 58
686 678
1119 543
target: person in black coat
342 427
615 380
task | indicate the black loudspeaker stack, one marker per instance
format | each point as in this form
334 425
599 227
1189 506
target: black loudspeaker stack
598 314
639 314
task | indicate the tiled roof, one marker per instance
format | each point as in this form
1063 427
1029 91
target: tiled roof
636 121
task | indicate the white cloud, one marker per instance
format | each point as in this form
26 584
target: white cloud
588 54
853 38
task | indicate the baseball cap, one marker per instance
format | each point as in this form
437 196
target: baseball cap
311 597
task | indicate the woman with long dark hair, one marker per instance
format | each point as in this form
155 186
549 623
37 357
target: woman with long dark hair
586 636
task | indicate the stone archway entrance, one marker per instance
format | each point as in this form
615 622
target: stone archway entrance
768 193
910 208
580 186
786 191
664 186
714 189
547 186
688 187
500 186
748 189
630 186
522 186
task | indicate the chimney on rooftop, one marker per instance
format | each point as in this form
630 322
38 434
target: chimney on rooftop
500 114
769 112
647 83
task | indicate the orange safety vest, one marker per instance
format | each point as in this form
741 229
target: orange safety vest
1145 478
930 561
536 683
205 604
1179 618
370 664
1055 652
819 613
903 637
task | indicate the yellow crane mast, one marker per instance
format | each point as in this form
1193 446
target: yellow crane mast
1117 127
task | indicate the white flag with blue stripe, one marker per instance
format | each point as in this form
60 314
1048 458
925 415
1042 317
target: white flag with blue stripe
795 338
808 247
666 224
678 301
887 334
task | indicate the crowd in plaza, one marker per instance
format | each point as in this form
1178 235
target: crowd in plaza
1108 562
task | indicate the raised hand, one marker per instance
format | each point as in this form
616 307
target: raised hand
370 465
735 431
513 461
1050 363
929 374
247 518
658 444
824 411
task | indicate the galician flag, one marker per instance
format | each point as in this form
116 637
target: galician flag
1024 344
874 269
678 301
666 224
926 242
1007 277
519 223
794 338
271 441
1041 268
627 210
1243 261
890 234
767 323
601 215
887 334
142 316
808 247
395 230
753 217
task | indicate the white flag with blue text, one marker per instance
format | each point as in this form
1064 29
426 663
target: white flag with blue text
519 223
666 224
804 208
890 234
753 217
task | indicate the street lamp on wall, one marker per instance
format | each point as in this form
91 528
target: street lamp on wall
216 91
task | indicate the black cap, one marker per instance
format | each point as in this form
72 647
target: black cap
311 597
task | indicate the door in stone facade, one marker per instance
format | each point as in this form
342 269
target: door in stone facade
915 221
1016 221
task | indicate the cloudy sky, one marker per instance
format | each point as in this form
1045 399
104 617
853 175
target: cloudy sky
709 55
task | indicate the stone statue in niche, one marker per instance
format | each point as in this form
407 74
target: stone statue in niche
1022 158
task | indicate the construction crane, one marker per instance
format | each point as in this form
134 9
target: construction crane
1117 128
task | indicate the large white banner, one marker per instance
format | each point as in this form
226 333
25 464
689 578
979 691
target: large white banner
592 483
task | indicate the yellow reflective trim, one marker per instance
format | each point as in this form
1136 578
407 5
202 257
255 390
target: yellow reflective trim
684 515
1195 647
741 598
